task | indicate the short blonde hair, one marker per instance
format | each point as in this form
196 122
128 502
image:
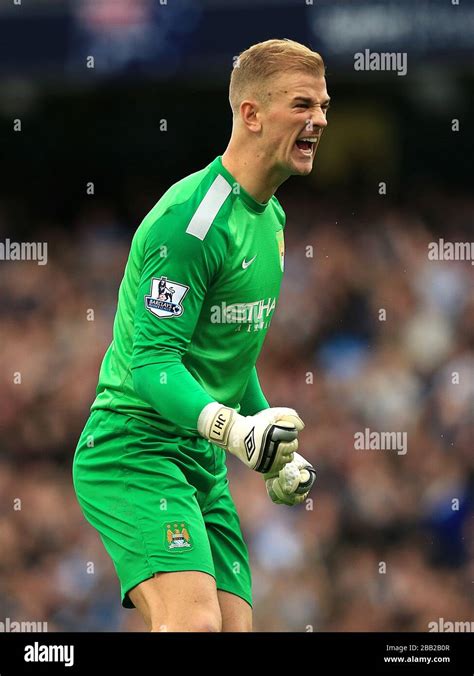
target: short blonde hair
259 63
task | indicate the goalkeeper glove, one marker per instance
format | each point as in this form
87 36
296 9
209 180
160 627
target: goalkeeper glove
291 485
264 441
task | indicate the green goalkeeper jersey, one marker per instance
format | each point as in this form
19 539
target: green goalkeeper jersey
197 297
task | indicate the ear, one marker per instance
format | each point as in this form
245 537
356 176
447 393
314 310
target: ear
250 115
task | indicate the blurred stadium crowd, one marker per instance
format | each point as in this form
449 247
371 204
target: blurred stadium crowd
387 542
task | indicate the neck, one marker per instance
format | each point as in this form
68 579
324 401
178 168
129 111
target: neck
252 170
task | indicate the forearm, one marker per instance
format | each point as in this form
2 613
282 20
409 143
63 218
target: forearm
169 388
263 442
253 399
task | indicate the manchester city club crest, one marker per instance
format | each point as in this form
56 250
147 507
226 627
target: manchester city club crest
177 535
166 297
281 248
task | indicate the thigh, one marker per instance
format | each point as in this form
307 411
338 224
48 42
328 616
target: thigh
178 601
235 612
228 548
132 488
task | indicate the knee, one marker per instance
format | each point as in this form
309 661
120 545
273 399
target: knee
242 625
206 622
195 621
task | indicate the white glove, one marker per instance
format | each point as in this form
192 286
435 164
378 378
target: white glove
291 485
264 441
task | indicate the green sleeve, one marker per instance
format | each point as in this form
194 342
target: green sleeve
159 342
253 399
180 400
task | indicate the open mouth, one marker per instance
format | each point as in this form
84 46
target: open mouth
306 145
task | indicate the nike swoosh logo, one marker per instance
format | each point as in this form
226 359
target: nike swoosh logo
246 263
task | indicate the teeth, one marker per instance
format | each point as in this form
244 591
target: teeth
310 139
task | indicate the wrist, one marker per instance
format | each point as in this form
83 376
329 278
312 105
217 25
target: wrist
215 423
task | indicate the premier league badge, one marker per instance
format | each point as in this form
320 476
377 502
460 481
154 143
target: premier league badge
165 299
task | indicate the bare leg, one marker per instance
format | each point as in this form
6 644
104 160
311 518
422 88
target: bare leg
236 613
178 601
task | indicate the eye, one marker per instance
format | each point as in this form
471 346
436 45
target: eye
301 105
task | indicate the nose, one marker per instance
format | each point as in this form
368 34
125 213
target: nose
319 119
318 122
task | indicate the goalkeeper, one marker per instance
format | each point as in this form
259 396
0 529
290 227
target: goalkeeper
178 388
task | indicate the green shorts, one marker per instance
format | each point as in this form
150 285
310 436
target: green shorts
159 503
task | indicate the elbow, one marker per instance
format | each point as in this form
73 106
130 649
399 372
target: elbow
139 380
